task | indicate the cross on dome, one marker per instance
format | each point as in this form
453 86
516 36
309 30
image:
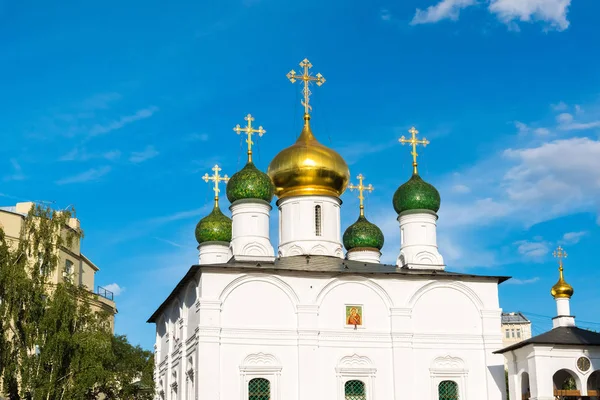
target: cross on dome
248 130
307 79
560 254
216 178
361 189
414 142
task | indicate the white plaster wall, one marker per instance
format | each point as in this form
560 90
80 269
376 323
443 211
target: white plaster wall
298 318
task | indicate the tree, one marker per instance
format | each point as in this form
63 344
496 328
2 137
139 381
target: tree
52 345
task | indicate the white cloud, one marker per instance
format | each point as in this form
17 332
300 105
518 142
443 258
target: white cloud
459 188
197 137
78 154
560 106
521 127
553 12
385 14
564 118
17 174
114 288
541 131
535 250
517 281
86 176
121 122
445 9
144 155
573 237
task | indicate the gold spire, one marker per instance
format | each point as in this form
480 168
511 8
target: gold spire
414 142
216 178
361 188
561 289
248 130
306 78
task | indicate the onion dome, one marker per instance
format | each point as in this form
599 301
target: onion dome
250 183
363 234
416 194
215 227
308 168
561 289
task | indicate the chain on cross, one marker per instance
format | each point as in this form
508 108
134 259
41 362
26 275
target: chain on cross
560 254
307 79
216 178
361 189
248 130
414 143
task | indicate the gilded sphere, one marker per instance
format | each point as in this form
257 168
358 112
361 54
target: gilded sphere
416 194
215 227
250 183
562 289
308 168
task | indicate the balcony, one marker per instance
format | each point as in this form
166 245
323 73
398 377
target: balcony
103 292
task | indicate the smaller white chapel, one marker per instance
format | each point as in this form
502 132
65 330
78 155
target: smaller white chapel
319 317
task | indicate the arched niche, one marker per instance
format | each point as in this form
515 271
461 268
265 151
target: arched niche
566 383
525 387
593 385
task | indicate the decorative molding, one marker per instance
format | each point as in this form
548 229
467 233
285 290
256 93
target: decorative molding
343 280
260 361
275 281
448 363
459 286
319 250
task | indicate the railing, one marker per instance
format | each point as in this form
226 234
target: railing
107 294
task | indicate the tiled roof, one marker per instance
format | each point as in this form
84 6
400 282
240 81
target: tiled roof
323 264
514 318
564 335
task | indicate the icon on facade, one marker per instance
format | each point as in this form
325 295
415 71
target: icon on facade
354 315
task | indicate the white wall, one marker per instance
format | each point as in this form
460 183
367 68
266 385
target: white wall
291 329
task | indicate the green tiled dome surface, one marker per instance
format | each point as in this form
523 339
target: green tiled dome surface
416 194
250 183
363 234
215 227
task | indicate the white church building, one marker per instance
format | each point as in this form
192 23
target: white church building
308 320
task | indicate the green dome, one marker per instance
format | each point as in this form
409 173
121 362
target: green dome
416 194
215 227
250 183
363 234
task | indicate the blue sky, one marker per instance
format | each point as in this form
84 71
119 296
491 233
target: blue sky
119 108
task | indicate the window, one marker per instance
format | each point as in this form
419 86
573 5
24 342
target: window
508 333
68 273
318 220
512 332
519 333
354 390
259 389
448 390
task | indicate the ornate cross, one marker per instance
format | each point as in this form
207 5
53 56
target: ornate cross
216 178
560 254
307 79
248 130
414 142
361 189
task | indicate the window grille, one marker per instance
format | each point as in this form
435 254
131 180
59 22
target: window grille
259 389
355 390
448 390
318 220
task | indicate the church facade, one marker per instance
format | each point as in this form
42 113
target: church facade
319 317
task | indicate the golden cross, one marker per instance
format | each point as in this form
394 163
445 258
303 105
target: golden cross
414 142
361 188
216 178
560 254
307 79
249 131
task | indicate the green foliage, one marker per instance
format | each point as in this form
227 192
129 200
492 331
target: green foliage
52 344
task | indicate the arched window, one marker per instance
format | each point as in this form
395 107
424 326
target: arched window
318 220
259 389
448 390
355 390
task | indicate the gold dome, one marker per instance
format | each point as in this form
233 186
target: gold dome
308 168
562 289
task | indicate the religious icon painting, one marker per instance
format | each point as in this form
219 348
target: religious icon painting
354 315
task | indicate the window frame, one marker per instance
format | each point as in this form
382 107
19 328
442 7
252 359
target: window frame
264 366
318 210
354 396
